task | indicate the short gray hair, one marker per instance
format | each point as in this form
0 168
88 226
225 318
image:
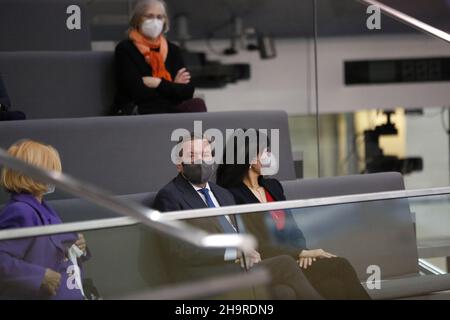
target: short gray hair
141 8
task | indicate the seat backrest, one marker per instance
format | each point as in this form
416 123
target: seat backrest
39 25
75 210
371 233
133 154
379 233
124 260
119 264
48 85
345 185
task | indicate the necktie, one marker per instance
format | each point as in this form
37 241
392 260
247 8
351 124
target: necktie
205 193
224 223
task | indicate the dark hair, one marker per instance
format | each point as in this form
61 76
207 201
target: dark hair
232 174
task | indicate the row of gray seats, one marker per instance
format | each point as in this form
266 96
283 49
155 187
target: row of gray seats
130 155
48 66
133 154
379 233
47 85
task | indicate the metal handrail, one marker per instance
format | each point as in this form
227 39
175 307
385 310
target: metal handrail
408 20
230 210
140 213
307 203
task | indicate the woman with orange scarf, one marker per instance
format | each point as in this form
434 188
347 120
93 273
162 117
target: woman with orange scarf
151 75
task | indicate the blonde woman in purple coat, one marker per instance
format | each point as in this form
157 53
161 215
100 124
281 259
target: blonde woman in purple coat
46 267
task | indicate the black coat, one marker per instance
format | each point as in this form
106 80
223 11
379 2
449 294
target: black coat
289 240
4 98
131 67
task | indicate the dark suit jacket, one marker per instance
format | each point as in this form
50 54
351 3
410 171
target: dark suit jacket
180 195
289 240
131 67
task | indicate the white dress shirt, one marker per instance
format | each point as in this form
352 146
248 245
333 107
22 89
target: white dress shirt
230 253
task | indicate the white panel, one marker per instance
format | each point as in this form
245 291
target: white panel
336 97
287 81
280 83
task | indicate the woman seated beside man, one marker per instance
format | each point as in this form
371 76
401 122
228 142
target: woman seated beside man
277 232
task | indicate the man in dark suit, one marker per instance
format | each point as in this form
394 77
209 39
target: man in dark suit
191 189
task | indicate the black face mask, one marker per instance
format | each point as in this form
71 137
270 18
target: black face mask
198 173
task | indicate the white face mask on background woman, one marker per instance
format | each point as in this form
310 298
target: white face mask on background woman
152 28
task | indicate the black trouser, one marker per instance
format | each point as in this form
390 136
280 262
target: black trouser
335 278
288 280
331 278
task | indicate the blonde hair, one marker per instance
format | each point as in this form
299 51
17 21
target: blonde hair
140 10
34 153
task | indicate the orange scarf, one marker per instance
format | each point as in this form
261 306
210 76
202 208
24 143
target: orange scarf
156 59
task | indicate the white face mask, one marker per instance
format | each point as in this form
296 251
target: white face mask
152 28
50 189
269 164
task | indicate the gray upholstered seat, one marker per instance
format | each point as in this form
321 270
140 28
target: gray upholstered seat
345 185
48 85
132 154
377 233
75 210
117 261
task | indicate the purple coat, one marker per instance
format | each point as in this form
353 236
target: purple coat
23 261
